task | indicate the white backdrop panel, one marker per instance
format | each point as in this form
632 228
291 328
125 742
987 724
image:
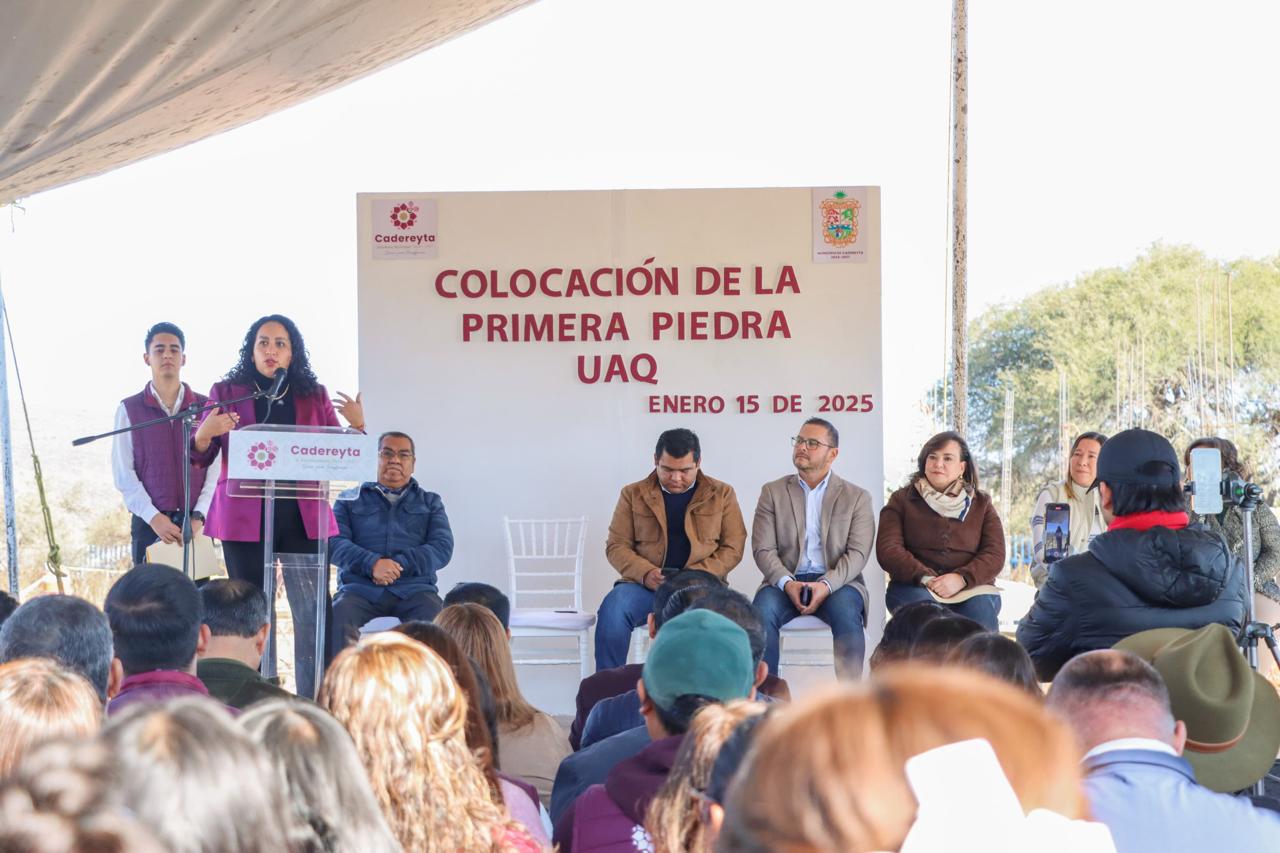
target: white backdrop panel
510 429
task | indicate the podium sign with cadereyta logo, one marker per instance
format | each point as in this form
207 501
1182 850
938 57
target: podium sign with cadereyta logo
270 455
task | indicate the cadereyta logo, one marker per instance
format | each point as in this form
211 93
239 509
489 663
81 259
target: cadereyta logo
840 220
263 455
404 215
412 235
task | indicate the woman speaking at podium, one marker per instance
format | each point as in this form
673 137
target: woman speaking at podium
271 344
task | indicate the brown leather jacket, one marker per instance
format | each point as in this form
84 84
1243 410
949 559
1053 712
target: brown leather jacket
915 541
637 541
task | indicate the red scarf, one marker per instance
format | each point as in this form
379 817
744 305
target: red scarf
1148 520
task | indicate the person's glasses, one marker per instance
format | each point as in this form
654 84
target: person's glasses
402 455
811 443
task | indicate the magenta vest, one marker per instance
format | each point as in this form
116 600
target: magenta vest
239 519
158 452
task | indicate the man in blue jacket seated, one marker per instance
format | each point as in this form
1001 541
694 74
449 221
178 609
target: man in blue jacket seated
1150 569
1163 738
393 537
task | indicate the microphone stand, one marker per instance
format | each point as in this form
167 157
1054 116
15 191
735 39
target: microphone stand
188 417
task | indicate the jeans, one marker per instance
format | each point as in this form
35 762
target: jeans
351 610
625 608
843 611
983 609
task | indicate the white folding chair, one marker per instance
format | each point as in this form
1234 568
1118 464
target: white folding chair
809 628
639 645
544 560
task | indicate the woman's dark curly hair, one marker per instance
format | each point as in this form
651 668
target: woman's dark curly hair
302 380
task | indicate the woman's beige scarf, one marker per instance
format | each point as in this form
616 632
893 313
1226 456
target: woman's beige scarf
952 502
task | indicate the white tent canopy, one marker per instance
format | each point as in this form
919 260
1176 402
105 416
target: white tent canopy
89 85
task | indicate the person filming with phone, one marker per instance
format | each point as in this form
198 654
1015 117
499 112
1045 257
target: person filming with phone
1230 523
1067 514
1152 568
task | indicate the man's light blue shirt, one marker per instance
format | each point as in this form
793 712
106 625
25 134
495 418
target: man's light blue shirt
1150 801
814 561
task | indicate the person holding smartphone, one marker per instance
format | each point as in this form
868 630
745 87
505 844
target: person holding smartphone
1266 536
1069 504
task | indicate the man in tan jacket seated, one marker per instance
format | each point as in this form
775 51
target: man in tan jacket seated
811 538
676 518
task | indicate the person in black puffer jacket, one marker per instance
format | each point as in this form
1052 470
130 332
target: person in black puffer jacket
1151 569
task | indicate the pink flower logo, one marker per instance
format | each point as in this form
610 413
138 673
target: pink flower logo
263 455
403 216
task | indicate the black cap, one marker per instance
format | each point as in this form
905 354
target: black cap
1139 457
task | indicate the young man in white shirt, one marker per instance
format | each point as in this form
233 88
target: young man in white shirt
147 464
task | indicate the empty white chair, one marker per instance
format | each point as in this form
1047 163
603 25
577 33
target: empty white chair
544 562
806 627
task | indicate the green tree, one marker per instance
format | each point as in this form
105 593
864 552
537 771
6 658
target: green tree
1137 348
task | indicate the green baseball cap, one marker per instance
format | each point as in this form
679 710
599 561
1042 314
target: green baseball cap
699 653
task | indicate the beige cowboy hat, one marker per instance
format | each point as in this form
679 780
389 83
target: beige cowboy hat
1232 713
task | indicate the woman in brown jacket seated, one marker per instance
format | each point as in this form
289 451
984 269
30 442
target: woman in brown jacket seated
939 535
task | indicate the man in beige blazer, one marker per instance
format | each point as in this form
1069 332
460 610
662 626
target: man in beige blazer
811 537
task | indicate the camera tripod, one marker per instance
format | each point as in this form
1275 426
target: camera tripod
1247 496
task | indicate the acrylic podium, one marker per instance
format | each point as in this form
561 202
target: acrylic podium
312 466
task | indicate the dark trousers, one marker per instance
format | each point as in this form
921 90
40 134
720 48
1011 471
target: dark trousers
843 610
351 610
245 562
983 609
143 537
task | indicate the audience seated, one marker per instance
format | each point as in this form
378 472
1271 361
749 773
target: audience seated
472 592
831 773
235 613
622 712
1151 569
901 631
730 757
698 658
331 808
1144 754
68 630
407 716
1001 657
672 821
194 779
39 701
8 604
154 612
392 541
619 679
60 800
531 743
520 798
940 535
939 637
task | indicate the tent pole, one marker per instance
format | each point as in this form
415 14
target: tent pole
6 451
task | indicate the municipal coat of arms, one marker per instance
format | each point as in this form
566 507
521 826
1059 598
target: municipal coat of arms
840 220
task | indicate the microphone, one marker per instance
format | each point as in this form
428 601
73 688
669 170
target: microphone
274 392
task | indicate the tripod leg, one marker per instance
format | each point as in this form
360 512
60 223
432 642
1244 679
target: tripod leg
1272 645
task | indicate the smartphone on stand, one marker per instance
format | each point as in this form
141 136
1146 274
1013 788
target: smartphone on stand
1057 532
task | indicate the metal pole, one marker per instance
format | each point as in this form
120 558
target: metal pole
959 224
6 443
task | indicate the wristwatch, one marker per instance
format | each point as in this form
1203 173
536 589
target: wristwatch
197 516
